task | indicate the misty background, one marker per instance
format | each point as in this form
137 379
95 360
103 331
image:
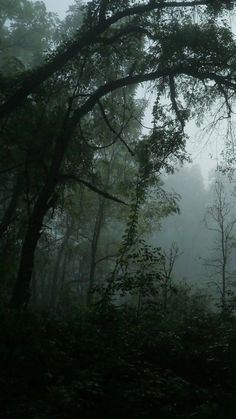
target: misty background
193 184
117 211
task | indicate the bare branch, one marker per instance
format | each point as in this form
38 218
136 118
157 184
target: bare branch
117 134
174 102
65 177
228 105
105 258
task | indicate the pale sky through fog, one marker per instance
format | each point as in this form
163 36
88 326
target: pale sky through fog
201 146
58 6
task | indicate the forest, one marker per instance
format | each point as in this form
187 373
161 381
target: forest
117 257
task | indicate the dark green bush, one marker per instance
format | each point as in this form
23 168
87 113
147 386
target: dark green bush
111 364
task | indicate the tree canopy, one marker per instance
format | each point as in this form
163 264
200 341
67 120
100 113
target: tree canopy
69 91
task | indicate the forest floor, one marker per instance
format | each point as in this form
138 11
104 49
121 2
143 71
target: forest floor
112 364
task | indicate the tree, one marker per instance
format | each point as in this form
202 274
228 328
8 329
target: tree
26 30
169 261
186 228
118 45
221 220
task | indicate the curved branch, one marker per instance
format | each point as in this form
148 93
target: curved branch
64 177
117 134
30 83
152 76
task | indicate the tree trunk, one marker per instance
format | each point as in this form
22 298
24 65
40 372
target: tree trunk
94 247
60 262
96 234
46 199
11 208
21 294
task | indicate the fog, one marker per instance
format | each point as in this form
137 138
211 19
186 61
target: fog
193 185
117 209
59 7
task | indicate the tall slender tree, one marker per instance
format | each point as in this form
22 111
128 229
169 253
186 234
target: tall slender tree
221 220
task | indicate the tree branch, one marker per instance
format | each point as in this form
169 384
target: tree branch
30 81
65 177
103 10
117 134
140 78
174 102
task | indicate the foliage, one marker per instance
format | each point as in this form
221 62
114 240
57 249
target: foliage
71 151
74 86
112 363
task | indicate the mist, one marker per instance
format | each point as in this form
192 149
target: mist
117 209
